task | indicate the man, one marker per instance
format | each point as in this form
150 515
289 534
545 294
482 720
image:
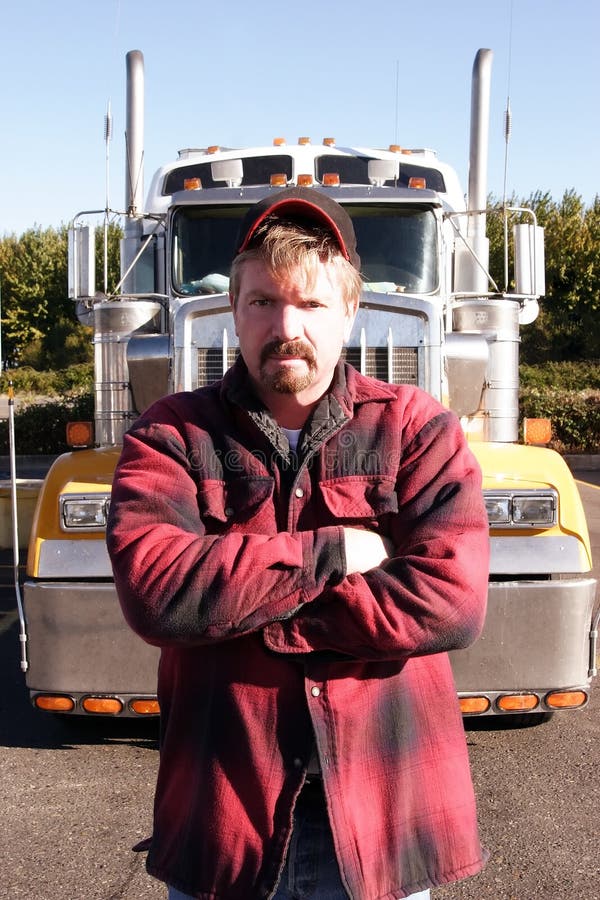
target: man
304 544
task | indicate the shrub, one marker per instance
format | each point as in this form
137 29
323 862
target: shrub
572 376
575 416
40 428
27 380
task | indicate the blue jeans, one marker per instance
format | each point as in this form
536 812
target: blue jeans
311 871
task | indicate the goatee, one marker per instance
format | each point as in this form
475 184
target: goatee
286 380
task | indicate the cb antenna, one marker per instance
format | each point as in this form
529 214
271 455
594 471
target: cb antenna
507 133
107 139
397 100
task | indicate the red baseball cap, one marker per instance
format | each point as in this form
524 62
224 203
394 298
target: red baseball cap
307 204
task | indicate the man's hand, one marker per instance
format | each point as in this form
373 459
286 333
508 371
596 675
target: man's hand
364 550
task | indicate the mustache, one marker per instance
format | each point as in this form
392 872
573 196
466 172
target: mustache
288 348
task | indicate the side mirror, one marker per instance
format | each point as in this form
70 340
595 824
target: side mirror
530 278
82 262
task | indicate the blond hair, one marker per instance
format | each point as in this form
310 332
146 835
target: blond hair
286 245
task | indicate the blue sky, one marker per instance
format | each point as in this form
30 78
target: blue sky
238 73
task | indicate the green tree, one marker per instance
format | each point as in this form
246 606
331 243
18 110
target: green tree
33 269
39 323
566 327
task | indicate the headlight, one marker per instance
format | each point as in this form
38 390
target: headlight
498 509
521 509
84 513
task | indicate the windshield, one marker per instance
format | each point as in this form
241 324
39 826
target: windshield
397 246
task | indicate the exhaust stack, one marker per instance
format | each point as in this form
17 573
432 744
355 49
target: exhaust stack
480 124
478 164
134 134
134 169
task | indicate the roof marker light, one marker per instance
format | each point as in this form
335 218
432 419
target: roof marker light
303 140
278 179
192 184
329 142
279 142
331 179
305 180
417 182
214 148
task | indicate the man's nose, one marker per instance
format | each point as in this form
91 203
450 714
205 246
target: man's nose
289 323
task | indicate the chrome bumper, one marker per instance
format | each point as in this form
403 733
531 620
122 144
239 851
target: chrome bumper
79 642
537 636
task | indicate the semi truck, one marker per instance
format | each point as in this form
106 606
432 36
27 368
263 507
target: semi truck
431 315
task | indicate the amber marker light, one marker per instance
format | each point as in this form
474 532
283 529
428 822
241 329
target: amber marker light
417 182
331 179
279 142
303 141
80 434
471 706
329 142
537 431
566 699
54 703
305 180
192 184
214 148
107 706
278 179
145 707
517 702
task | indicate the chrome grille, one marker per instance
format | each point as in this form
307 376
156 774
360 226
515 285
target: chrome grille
403 361
377 362
210 363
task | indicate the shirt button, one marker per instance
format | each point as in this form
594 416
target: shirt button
299 492
298 764
229 511
315 691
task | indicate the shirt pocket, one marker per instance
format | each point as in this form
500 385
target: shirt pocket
360 499
243 504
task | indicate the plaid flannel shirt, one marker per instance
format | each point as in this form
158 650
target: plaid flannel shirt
228 553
